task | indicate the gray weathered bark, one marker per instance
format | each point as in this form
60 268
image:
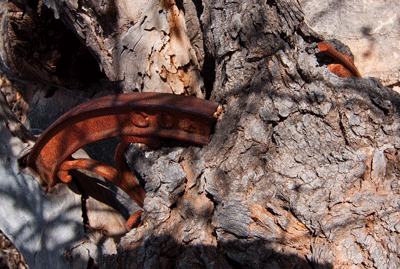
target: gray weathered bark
302 169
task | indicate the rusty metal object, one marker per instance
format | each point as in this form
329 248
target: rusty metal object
134 220
344 66
135 117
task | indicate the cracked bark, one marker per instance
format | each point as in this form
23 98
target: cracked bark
302 169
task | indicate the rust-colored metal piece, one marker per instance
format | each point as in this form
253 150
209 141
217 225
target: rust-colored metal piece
134 220
344 66
135 117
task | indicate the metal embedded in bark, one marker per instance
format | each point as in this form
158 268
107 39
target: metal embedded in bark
135 117
344 66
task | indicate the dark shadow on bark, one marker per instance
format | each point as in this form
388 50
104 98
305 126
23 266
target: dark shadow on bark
367 33
102 191
208 72
42 49
333 5
233 254
39 226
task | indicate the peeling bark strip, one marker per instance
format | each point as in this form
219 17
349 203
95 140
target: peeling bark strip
142 44
155 54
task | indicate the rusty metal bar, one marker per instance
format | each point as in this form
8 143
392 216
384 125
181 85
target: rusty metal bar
125 181
344 67
136 117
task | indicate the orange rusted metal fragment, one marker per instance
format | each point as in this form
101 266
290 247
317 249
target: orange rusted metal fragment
125 181
134 220
135 117
340 70
344 66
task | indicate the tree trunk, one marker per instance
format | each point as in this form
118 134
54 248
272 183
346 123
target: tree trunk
302 168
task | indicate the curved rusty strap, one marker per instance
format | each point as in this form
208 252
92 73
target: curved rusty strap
136 117
342 59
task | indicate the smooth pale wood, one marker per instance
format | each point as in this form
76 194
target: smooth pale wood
48 228
42 226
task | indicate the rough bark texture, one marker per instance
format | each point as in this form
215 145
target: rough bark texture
302 169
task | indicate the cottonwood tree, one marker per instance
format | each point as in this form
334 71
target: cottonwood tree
302 167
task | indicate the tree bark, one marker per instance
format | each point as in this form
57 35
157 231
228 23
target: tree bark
302 168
